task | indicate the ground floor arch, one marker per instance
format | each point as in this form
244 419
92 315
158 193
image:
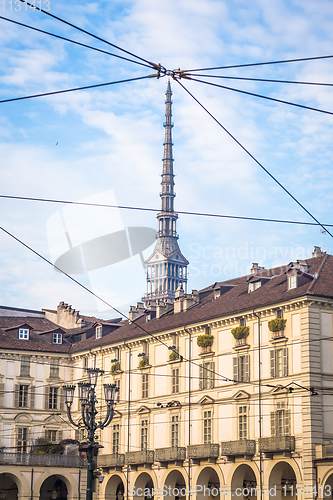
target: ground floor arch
54 485
244 483
207 484
9 486
114 488
144 487
282 481
174 485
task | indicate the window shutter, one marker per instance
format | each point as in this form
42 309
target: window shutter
61 399
201 376
212 374
273 426
2 395
285 361
273 364
235 369
247 368
59 436
46 398
287 422
17 392
32 390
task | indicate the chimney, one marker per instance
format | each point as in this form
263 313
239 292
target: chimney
190 299
256 268
317 252
136 312
163 306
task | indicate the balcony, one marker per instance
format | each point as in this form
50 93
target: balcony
170 454
327 450
114 460
47 460
240 447
201 451
141 457
277 444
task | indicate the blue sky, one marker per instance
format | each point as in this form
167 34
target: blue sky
107 144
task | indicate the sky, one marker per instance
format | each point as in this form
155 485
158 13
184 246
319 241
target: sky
105 145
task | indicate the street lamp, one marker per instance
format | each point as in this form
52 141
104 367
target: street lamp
88 402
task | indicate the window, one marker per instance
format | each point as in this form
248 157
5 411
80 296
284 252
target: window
279 362
51 435
292 282
117 382
145 385
25 366
242 322
79 435
174 430
22 440
144 434
206 375
24 334
56 338
207 426
280 420
54 368
279 314
53 398
254 286
98 332
208 330
242 368
175 380
23 396
242 422
115 438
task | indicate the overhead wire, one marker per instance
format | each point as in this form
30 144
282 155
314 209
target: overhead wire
153 65
156 210
86 87
266 63
265 80
75 42
255 159
289 103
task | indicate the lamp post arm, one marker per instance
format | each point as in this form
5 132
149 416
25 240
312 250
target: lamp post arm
70 417
108 418
83 413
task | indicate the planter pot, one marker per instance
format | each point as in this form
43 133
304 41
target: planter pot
277 335
241 341
206 349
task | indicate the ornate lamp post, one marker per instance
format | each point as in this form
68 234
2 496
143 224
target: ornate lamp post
88 402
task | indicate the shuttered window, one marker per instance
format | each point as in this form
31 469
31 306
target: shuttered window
115 438
174 430
207 375
144 434
207 426
22 439
25 366
279 362
145 385
53 398
241 368
280 420
175 380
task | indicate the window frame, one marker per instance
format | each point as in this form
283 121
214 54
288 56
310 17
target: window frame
53 400
174 431
207 427
22 439
144 434
292 282
115 438
279 359
243 422
23 399
145 385
56 338
25 366
54 368
24 333
175 381
98 331
241 368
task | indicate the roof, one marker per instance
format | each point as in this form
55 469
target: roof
35 343
37 324
233 300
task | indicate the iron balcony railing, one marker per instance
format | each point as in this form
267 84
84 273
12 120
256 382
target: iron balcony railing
203 450
240 447
170 454
327 450
40 459
139 457
113 460
277 443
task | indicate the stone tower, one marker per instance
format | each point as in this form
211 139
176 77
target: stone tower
166 267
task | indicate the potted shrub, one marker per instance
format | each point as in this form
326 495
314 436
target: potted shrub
277 326
143 362
115 367
173 356
240 333
205 342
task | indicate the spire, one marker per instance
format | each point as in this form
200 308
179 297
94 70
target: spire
166 267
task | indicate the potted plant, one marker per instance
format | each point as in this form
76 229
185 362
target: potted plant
240 333
143 362
115 367
277 326
205 342
173 356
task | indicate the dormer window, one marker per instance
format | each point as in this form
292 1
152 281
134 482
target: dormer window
292 282
98 332
254 286
56 338
24 334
